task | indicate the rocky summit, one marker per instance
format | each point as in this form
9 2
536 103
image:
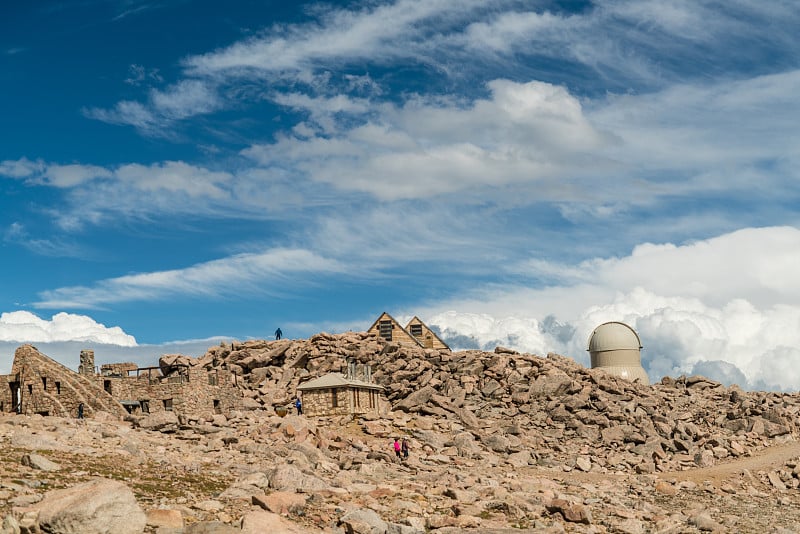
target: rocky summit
500 442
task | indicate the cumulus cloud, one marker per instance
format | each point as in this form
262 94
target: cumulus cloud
247 271
26 327
727 306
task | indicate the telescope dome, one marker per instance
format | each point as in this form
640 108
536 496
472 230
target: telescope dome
615 347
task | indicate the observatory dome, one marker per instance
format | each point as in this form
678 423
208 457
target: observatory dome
615 347
614 336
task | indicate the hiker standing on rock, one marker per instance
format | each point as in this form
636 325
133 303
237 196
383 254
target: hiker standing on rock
299 406
278 334
397 448
404 448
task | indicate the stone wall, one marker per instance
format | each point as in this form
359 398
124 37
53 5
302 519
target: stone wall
119 369
195 392
349 400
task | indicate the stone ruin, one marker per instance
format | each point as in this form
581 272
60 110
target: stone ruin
38 384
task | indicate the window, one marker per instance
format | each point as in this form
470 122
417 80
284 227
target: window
217 407
213 380
168 405
44 383
107 386
416 330
334 398
385 329
58 388
30 389
145 406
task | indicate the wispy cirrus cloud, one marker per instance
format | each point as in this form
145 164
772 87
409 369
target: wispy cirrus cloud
372 32
263 272
94 192
17 234
163 107
620 46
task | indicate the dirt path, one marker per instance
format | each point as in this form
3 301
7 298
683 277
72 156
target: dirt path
768 459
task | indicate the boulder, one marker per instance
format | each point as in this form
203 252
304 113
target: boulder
35 461
363 521
289 478
160 421
99 507
261 522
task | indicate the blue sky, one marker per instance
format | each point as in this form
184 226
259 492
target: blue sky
512 172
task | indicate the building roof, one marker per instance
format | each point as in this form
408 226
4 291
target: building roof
420 321
614 336
335 380
394 321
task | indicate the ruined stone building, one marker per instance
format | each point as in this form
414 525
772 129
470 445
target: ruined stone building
337 394
415 334
40 385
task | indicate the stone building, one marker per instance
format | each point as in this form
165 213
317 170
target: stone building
415 334
39 384
337 394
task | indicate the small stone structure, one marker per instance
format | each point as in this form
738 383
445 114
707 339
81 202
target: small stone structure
415 334
615 348
337 394
39 384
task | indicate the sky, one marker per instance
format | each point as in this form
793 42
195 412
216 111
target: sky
179 172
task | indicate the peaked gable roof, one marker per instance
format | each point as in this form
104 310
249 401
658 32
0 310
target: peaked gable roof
394 322
428 328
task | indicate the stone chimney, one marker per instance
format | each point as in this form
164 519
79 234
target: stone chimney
86 366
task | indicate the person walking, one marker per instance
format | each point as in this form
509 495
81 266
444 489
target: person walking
80 411
397 448
404 448
278 333
299 405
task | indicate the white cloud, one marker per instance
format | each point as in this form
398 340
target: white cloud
17 233
21 168
135 114
728 305
181 100
523 134
175 177
252 272
66 176
26 327
369 33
